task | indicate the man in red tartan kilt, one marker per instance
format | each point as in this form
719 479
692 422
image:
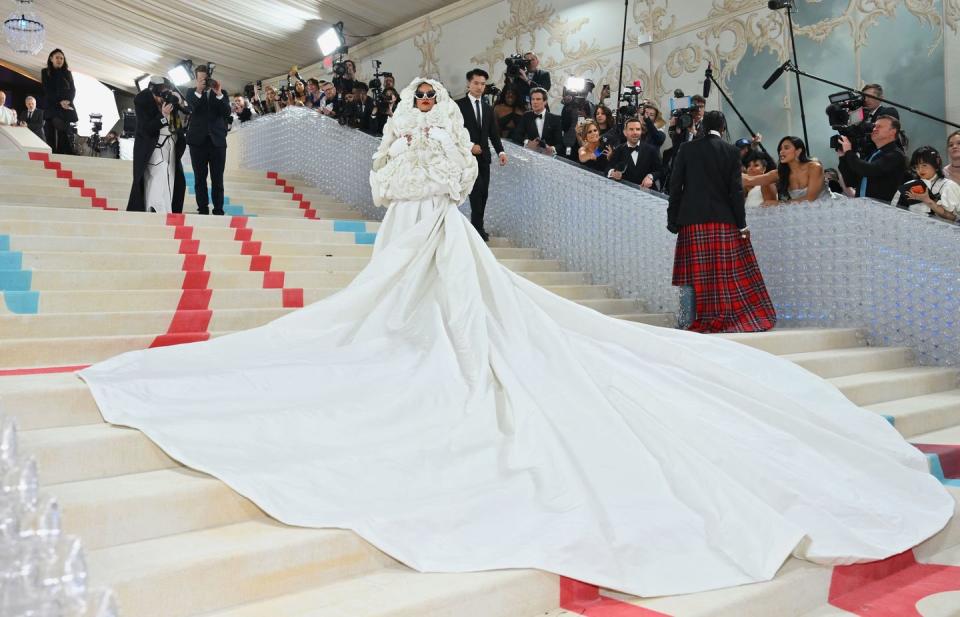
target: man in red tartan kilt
714 257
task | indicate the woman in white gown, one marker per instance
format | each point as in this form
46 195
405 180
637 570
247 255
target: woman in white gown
462 418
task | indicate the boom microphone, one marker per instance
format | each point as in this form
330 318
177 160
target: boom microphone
707 81
776 75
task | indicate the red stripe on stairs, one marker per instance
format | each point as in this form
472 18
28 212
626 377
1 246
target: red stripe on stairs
43 370
891 587
260 262
304 204
949 455
191 321
76 183
585 599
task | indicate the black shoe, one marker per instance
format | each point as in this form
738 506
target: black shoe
485 236
218 212
203 211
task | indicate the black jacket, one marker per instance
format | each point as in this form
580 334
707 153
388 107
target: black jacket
648 162
35 123
58 86
706 185
527 130
208 117
485 134
884 172
149 123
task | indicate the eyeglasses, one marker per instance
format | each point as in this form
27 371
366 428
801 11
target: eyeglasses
429 94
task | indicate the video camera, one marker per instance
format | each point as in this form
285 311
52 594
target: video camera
838 113
631 98
96 122
515 64
683 109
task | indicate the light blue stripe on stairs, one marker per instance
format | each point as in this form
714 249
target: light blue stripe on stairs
15 281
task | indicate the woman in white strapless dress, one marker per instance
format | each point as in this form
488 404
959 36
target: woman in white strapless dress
460 417
797 178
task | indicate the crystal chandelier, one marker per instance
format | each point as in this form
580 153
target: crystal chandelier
24 31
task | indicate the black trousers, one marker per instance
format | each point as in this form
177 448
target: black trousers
478 196
207 156
60 141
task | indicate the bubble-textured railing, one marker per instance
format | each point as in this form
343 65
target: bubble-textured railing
836 262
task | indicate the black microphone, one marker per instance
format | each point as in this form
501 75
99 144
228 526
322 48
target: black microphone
776 75
707 80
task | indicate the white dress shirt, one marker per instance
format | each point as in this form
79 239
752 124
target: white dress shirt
8 116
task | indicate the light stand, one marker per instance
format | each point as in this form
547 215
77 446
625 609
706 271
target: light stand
788 66
623 50
775 5
712 79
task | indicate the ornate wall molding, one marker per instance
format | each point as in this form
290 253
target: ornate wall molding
427 41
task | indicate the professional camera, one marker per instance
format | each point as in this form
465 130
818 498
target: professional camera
94 142
683 109
631 99
838 113
96 122
209 67
375 85
492 91
515 64
168 96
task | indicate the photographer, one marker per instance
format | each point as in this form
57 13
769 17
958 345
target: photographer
384 109
680 134
269 104
528 77
345 76
158 181
653 132
364 104
635 160
539 130
882 172
207 137
314 94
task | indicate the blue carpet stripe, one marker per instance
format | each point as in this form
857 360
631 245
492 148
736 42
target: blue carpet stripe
15 282
364 237
354 226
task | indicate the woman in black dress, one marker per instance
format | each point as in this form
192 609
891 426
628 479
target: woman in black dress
59 89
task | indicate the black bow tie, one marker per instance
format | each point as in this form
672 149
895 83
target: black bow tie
634 148
538 116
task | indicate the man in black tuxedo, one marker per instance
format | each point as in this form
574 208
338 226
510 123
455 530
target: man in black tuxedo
714 265
207 137
364 104
635 160
538 129
479 120
32 118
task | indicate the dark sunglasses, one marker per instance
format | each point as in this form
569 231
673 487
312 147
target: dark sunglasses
429 94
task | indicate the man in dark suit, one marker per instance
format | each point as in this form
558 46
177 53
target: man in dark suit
480 122
881 173
721 285
207 138
364 104
539 129
32 118
635 160
159 129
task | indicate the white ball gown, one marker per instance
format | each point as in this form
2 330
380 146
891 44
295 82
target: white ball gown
461 418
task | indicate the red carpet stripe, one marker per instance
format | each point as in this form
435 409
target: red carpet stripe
585 599
191 321
42 370
890 588
260 262
74 182
308 212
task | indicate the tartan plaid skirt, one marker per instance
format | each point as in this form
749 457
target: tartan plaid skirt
722 269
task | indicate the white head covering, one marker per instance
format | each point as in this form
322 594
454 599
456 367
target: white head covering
408 120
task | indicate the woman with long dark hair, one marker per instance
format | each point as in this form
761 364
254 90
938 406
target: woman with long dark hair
508 110
59 90
798 177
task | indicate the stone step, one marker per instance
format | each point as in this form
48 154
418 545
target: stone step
663 320
922 414
399 592
67 351
88 213
122 509
154 231
55 400
841 362
782 341
881 386
65 280
108 261
203 571
86 452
